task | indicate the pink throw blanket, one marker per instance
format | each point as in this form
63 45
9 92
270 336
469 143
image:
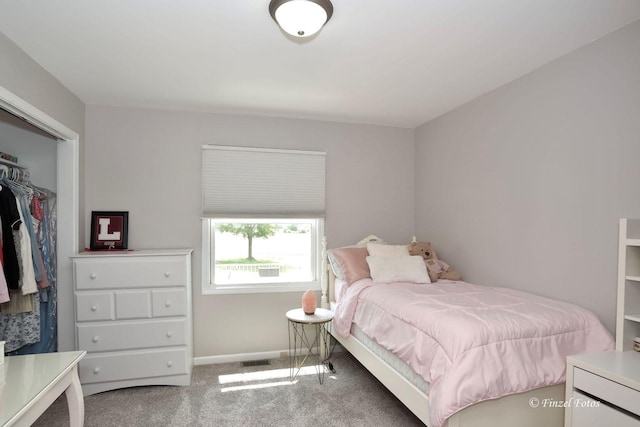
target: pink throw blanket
471 342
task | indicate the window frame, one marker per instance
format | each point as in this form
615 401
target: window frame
208 267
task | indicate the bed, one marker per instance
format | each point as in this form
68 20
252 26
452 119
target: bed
486 376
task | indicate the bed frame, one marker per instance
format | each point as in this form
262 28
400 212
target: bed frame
516 409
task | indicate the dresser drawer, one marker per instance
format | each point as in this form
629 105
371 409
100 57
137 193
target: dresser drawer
614 393
133 305
132 335
169 302
588 412
94 306
133 365
132 272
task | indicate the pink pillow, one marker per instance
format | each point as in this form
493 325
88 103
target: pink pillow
350 264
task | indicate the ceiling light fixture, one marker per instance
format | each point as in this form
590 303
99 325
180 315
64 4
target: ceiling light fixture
301 18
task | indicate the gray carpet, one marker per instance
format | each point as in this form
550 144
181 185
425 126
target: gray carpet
350 397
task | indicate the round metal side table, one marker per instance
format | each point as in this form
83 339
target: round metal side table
309 340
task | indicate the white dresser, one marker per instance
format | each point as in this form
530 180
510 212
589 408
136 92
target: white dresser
603 389
133 317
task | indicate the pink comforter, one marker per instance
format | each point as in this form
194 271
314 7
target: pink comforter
470 342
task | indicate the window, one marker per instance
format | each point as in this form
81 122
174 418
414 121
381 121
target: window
263 219
262 255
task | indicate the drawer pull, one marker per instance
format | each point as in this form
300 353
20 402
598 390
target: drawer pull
93 275
169 364
167 274
95 339
169 334
96 370
94 307
167 304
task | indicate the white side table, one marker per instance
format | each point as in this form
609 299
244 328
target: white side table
303 346
603 389
33 382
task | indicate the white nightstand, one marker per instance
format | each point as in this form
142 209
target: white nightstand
603 389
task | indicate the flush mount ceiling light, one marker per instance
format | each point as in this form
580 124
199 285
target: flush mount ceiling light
301 18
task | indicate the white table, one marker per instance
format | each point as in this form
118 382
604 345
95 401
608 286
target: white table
302 346
593 379
30 384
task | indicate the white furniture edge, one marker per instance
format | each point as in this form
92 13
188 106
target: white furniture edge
515 408
133 253
169 380
68 382
620 367
627 320
622 250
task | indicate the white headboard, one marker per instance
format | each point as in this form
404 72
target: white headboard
328 278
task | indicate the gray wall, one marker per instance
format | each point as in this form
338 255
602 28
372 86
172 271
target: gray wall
523 187
36 150
24 78
147 162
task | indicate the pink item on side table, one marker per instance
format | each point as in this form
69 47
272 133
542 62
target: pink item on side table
309 302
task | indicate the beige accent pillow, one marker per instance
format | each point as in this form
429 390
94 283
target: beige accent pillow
376 249
410 269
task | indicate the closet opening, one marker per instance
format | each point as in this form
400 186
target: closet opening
39 160
28 288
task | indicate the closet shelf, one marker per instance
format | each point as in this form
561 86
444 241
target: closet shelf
633 317
12 164
633 278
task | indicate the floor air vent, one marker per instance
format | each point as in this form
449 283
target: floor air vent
255 363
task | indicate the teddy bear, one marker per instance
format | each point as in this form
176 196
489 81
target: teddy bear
437 268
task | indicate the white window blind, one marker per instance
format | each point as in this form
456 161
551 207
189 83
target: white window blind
264 183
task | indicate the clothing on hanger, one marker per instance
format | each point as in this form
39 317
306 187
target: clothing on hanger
10 223
28 226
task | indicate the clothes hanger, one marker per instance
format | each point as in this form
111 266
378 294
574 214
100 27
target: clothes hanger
39 192
19 186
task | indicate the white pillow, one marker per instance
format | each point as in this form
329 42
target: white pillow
376 249
398 269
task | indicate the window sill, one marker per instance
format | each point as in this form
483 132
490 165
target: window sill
259 289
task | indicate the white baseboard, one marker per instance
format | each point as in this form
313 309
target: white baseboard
244 357
241 357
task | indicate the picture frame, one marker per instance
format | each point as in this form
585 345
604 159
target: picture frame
109 230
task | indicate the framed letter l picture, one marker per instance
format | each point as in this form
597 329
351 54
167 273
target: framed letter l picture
109 230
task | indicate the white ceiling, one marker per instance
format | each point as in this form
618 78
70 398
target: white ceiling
398 63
